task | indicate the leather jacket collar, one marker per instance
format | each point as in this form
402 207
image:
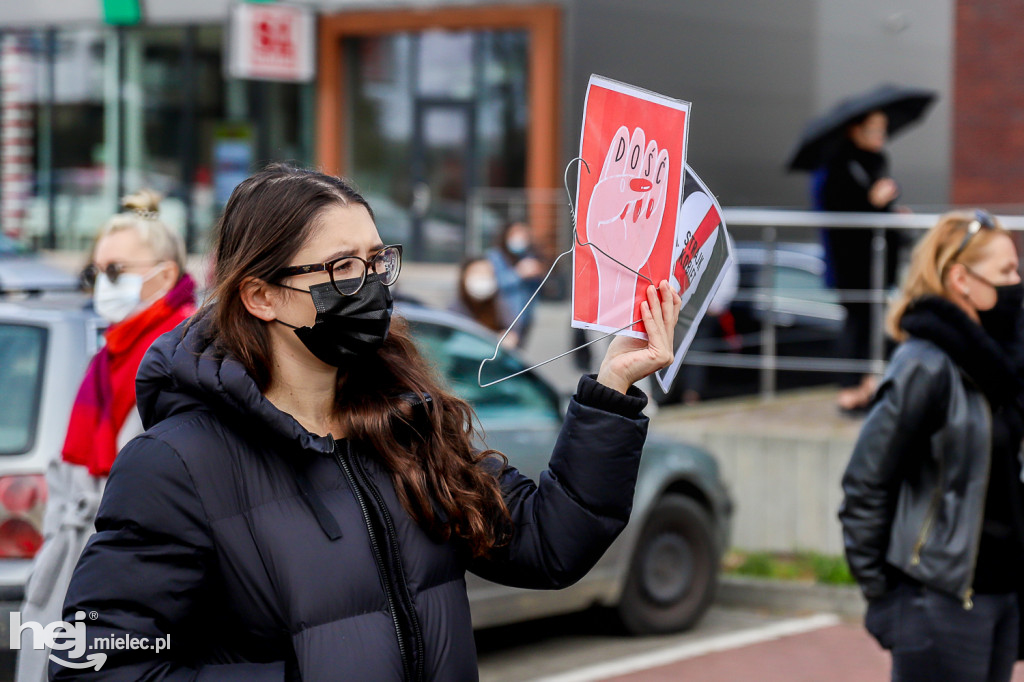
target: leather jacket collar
977 354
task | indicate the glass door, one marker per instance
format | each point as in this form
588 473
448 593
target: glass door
431 115
443 174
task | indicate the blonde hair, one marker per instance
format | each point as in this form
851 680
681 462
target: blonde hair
140 212
932 257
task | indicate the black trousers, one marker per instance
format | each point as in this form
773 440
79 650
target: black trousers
855 342
934 639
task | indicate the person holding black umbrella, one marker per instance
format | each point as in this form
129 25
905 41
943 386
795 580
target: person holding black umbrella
856 178
845 149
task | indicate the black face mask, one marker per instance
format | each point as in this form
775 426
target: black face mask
347 327
1003 319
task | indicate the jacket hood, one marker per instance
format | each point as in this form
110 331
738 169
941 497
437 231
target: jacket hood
184 370
940 321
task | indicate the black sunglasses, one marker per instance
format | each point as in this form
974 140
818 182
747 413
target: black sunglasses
982 220
112 271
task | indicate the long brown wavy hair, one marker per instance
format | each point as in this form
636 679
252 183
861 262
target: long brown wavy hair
436 471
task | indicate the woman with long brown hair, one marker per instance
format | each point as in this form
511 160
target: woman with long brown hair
307 497
933 513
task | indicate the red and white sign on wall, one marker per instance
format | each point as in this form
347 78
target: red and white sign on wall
272 42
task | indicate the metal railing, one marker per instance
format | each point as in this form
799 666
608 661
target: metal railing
807 224
769 228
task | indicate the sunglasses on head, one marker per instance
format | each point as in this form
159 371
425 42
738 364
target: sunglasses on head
982 221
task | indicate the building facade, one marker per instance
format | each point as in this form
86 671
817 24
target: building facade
424 104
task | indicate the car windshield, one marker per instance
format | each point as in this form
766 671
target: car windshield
9 247
524 400
22 349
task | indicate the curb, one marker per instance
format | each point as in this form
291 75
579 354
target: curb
783 596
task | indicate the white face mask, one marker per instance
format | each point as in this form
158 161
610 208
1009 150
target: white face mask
481 288
518 244
118 301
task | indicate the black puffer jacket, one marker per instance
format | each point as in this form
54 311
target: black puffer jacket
916 484
253 542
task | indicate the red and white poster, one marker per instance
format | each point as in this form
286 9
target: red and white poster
701 259
634 142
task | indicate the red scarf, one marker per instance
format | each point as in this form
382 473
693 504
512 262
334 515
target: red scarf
107 393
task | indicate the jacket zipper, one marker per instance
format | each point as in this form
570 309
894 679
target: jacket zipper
929 519
392 537
375 548
968 601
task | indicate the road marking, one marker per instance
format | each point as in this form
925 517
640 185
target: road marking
659 657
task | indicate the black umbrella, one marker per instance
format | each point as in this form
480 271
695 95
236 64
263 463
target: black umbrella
823 135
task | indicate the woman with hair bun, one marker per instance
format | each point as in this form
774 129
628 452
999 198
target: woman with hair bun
139 286
933 514
307 497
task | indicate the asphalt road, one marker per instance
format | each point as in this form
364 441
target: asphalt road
729 645
554 646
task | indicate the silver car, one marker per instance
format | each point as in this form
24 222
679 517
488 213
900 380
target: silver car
45 344
660 574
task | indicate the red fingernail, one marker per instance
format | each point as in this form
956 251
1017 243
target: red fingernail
636 211
640 185
625 210
650 208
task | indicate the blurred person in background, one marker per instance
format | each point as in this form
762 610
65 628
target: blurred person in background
856 178
933 509
139 286
519 273
477 298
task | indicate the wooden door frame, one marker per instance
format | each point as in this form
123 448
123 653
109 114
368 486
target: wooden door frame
543 22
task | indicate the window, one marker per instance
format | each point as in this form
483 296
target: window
22 350
799 283
456 354
94 113
432 115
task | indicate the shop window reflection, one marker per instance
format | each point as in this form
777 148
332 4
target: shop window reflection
433 115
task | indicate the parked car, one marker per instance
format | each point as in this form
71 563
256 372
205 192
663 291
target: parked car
45 345
23 272
807 316
659 575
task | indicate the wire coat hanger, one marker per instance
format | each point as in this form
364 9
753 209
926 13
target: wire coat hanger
576 242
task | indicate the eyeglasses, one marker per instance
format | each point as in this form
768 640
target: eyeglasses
348 273
982 220
112 271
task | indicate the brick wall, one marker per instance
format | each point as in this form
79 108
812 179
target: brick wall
988 109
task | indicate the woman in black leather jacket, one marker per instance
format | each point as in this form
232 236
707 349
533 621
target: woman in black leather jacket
933 512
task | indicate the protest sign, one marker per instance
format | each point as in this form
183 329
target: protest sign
644 217
634 142
701 256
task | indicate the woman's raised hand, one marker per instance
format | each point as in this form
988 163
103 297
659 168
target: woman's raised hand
629 359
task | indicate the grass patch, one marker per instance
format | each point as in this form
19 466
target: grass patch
800 566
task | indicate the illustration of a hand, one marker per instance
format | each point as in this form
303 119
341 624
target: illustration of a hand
624 217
